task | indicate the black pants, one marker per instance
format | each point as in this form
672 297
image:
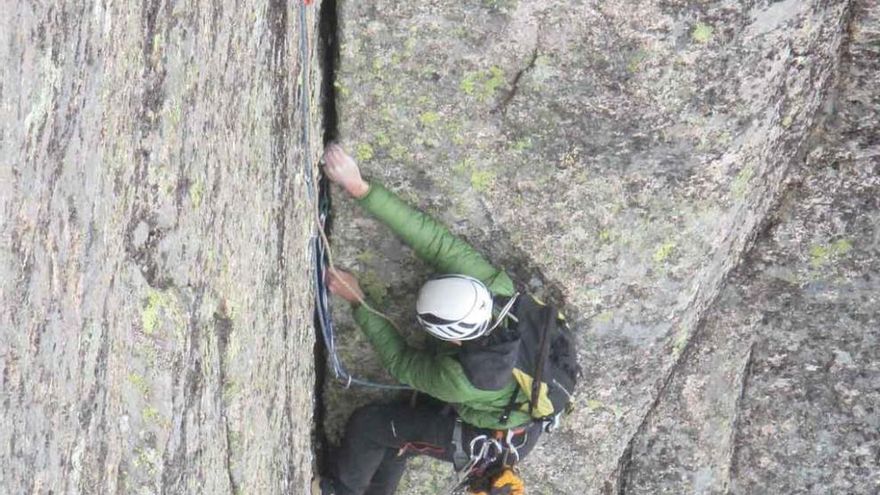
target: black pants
380 437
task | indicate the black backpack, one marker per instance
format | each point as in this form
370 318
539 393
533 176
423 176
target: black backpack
546 366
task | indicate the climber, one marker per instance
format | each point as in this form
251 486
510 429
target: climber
468 377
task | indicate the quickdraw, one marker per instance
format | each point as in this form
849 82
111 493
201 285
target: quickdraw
489 455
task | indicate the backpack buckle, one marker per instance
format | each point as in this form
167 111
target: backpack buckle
550 423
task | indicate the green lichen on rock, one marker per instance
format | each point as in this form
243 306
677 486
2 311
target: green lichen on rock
594 405
139 383
151 415
522 144
680 341
482 180
196 193
740 184
429 118
663 252
363 152
381 139
374 287
822 254
151 311
702 32
483 84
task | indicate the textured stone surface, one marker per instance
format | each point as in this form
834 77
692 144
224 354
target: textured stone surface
780 394
155 307
622 158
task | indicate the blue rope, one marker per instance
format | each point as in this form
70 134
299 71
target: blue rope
319 251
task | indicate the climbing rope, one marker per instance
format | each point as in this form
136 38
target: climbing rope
321 253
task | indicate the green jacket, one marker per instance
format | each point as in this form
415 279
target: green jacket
439 373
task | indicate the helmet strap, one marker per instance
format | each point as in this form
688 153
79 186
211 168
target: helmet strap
504 312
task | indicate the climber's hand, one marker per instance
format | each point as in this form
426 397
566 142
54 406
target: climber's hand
341 169
344 285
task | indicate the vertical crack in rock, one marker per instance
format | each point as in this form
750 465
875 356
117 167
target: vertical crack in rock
222 328
277 18
328 53
188 387
514 85
144 256
329 56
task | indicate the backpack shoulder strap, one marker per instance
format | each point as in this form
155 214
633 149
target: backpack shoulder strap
511 405
549 321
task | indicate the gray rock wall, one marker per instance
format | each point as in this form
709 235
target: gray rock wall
795 332
155 299
620 156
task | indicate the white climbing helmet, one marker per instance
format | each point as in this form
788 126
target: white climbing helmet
455 307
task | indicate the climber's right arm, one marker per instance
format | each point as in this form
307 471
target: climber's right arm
432 241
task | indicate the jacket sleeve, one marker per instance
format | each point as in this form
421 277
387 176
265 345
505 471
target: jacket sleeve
441 377
433 242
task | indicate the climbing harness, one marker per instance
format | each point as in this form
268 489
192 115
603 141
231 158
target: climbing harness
489 455
320 245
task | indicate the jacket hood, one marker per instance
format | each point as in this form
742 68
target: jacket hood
488 362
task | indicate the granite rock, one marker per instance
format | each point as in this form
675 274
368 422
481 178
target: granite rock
621 160
155 276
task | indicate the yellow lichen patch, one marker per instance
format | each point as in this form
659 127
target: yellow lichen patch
363 152
374 287
702 33
429 118
664 251
139 383
594 405
341 89
381 139
681 340
150 313
483 84
230 390
196 192
151 415
741 182
521 144
464 166
366 257
149 459
821 254
482 180
398 152
161 304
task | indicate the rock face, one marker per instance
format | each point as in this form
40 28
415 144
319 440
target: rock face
795 330
155 291
623 159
